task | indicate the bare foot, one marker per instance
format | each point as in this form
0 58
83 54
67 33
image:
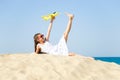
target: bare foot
71 54
71 16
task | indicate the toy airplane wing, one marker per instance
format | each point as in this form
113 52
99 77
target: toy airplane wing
46 17
49 16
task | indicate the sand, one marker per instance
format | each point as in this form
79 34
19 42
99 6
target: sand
52 67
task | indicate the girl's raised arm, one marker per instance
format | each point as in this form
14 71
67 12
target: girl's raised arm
49 28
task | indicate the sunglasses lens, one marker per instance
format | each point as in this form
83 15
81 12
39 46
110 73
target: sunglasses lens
42 35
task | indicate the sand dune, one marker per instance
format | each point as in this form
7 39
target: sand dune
51 67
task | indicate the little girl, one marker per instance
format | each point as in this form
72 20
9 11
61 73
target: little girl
42 43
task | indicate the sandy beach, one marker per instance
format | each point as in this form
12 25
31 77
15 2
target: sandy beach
52 67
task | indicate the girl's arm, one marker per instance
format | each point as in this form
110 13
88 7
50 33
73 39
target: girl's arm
38 49
49 29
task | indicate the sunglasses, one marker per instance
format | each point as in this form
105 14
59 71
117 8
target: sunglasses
41 35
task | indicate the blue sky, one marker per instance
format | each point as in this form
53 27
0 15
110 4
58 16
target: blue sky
95 30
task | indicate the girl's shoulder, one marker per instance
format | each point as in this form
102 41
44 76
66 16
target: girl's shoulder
46 42
39 45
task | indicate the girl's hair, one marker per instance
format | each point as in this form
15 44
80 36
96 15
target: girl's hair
35 40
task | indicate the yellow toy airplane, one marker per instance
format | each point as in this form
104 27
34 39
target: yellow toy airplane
49 16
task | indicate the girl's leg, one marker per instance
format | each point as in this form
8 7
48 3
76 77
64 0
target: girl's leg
71 16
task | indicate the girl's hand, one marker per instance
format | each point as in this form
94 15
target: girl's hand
52 18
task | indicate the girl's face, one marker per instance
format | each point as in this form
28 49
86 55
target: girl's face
40 38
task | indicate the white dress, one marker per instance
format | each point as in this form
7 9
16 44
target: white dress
59 49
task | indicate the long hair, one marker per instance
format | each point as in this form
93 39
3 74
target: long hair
35 41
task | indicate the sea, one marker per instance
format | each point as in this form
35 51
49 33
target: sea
109 59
